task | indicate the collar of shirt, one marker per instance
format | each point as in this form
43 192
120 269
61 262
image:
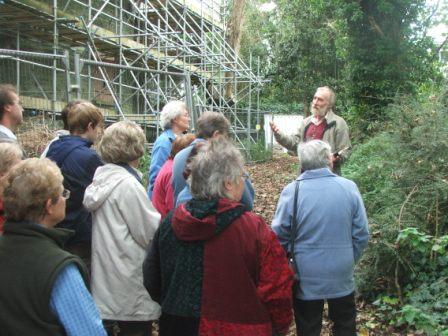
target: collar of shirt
8 132
316 121
170 134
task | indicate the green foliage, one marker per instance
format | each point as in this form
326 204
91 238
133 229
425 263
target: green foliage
370 52
306 50
273 106
426 299
143 167
402 174
386 54
258 151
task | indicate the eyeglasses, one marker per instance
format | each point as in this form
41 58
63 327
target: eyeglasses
245 175
66 194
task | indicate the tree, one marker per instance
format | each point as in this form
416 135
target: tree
386 56
307 51
234 31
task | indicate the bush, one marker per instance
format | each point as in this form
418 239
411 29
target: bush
257 151
424 305
143 167
402 174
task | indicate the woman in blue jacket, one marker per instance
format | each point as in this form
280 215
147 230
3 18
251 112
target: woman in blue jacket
329 236
175 120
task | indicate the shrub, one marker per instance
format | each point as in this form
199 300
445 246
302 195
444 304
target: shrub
402 174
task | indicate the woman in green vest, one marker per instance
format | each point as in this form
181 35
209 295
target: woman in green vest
43 289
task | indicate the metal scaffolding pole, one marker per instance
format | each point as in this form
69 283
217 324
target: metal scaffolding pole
137 55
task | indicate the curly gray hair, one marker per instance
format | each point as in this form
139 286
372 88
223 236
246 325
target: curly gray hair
11 154
217 162
29 184
171 111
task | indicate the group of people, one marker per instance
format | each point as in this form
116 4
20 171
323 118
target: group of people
87 250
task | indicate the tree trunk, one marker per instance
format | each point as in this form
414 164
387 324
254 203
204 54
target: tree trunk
233 37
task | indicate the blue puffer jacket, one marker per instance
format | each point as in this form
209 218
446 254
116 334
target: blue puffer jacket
331 232
78 163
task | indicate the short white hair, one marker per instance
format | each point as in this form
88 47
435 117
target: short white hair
217 162
314 154
171 111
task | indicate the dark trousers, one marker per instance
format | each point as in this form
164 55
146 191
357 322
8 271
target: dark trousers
341 311
128 328
173 325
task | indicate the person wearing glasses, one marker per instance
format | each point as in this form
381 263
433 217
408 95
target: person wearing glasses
215 268
324 124
43 289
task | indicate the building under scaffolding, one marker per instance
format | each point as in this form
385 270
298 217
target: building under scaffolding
129 57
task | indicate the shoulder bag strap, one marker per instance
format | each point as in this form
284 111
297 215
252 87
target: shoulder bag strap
294 225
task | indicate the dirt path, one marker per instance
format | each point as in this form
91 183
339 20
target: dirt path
269 178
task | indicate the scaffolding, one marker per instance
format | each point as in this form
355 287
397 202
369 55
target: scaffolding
129 57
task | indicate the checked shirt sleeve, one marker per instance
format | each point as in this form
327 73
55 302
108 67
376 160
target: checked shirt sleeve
275 282
72 303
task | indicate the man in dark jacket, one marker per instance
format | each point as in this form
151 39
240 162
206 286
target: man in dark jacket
78 163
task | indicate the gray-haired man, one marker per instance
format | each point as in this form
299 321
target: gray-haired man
324 125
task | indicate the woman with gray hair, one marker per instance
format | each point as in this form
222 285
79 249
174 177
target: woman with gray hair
123 225
175 120
215 268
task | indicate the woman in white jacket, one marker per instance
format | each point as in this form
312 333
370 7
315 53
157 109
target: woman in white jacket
124 223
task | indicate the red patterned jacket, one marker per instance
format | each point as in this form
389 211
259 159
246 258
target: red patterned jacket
222 269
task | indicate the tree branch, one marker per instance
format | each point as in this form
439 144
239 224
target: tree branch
440 47
375 25
397 282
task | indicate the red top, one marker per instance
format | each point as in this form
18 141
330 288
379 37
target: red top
163 194
315 132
